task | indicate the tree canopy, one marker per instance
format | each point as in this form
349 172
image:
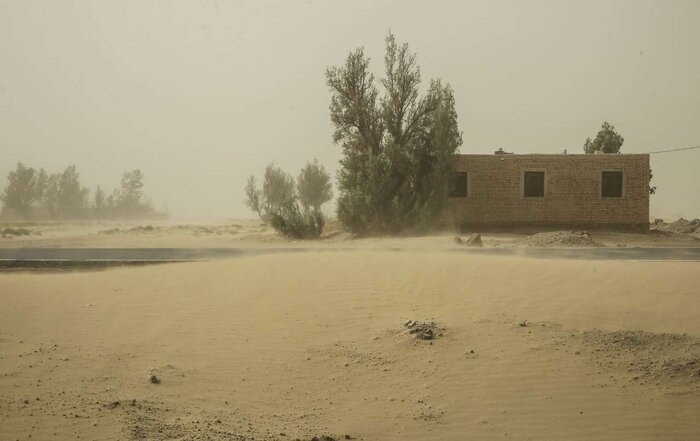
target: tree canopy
314 185
397 148
607 140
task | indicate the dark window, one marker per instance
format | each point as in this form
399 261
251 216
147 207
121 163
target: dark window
611 184
534 184
458 185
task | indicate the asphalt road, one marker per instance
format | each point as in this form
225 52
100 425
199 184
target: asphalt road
18 258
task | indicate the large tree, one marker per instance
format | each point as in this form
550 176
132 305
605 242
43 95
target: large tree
607 140
397 149
314 185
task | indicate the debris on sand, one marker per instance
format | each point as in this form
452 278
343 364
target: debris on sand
657 358
557 239
422 330
112 405
473 240
324 438
155 379
680 226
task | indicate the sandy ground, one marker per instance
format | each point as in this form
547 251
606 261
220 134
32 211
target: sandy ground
290 346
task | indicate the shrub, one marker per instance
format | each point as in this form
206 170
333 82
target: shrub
293 222
15 232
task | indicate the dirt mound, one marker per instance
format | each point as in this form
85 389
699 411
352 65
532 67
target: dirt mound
560 239
658 358
423 330
681 226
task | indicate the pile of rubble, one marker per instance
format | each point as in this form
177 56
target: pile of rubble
680 226
557 239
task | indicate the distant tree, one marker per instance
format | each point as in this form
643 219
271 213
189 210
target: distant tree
112 204
130 191
253 196
72 197
22 191
314 185
398 149
62 195
50 193
99 204
42 183
128 200
607 140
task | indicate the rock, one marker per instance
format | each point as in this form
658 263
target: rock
155 379
112 405
473 240
422 330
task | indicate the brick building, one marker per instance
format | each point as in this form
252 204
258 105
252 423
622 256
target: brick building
545 191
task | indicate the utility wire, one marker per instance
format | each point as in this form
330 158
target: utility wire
674 150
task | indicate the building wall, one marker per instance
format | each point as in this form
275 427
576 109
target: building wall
572 192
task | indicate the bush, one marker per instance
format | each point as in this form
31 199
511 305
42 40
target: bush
15 232
293 222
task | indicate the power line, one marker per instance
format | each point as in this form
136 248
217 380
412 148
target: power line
674 150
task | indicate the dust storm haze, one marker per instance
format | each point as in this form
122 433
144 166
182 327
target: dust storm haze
201 94
449 291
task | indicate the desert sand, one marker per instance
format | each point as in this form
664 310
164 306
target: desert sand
294 345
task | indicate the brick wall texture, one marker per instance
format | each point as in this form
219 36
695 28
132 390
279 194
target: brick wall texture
572 196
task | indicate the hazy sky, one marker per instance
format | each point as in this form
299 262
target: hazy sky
200 94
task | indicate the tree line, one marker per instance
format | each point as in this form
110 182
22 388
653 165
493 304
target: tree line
38 194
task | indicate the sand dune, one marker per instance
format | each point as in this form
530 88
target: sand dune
296 345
